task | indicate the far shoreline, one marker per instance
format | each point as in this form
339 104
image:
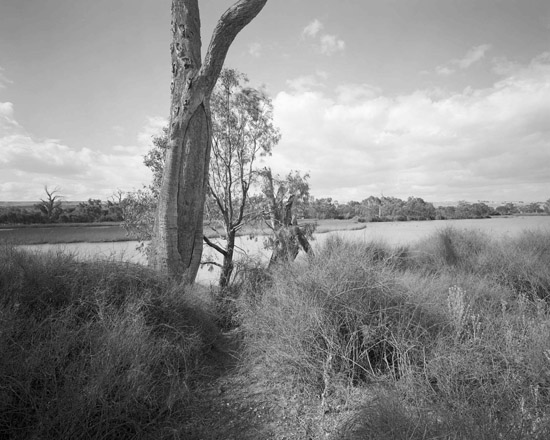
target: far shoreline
103 232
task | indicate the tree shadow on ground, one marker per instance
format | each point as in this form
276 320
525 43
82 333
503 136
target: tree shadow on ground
230 405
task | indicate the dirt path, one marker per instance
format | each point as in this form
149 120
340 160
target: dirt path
232 405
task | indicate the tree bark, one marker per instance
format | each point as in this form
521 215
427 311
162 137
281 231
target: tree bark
178 232
227 265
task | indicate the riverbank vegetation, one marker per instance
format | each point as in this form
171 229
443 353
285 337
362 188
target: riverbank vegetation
448 338
57 211
373 209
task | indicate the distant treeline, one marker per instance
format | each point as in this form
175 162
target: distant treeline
94 210
372 209
378 209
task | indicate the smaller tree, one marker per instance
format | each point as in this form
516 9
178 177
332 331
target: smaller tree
288 237
51 206
242 131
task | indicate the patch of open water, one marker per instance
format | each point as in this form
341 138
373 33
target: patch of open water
393 233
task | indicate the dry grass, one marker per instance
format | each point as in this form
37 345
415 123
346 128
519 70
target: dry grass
447 339
94 350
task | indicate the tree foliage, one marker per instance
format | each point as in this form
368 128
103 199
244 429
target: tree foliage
242 131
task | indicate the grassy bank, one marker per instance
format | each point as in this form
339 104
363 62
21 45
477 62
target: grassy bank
445 339
449 339
94 350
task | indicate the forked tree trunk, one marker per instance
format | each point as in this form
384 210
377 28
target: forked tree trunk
178 233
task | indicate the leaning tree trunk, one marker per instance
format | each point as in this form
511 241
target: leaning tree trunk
178 233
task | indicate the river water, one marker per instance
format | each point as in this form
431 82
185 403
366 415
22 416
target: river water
393 233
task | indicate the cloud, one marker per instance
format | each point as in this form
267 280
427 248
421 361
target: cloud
331 44
353 93
503 66
28 163
305 83
327 44
472 56
312 29
490 143
444 70
153 127
255 49
7 120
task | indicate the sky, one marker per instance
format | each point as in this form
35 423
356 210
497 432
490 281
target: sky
447 100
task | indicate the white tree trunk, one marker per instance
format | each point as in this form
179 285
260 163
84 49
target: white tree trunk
178 231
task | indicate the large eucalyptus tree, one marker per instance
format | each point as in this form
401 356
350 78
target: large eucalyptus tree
178 232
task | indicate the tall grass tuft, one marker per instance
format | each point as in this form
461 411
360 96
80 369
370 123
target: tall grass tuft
339 317
450 249
94 349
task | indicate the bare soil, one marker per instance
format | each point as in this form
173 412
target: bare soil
231 403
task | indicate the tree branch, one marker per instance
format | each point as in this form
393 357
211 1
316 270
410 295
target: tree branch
213 263
214 246
229 25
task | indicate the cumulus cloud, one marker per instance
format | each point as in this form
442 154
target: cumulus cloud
326 44
490 143
28 163
472 56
